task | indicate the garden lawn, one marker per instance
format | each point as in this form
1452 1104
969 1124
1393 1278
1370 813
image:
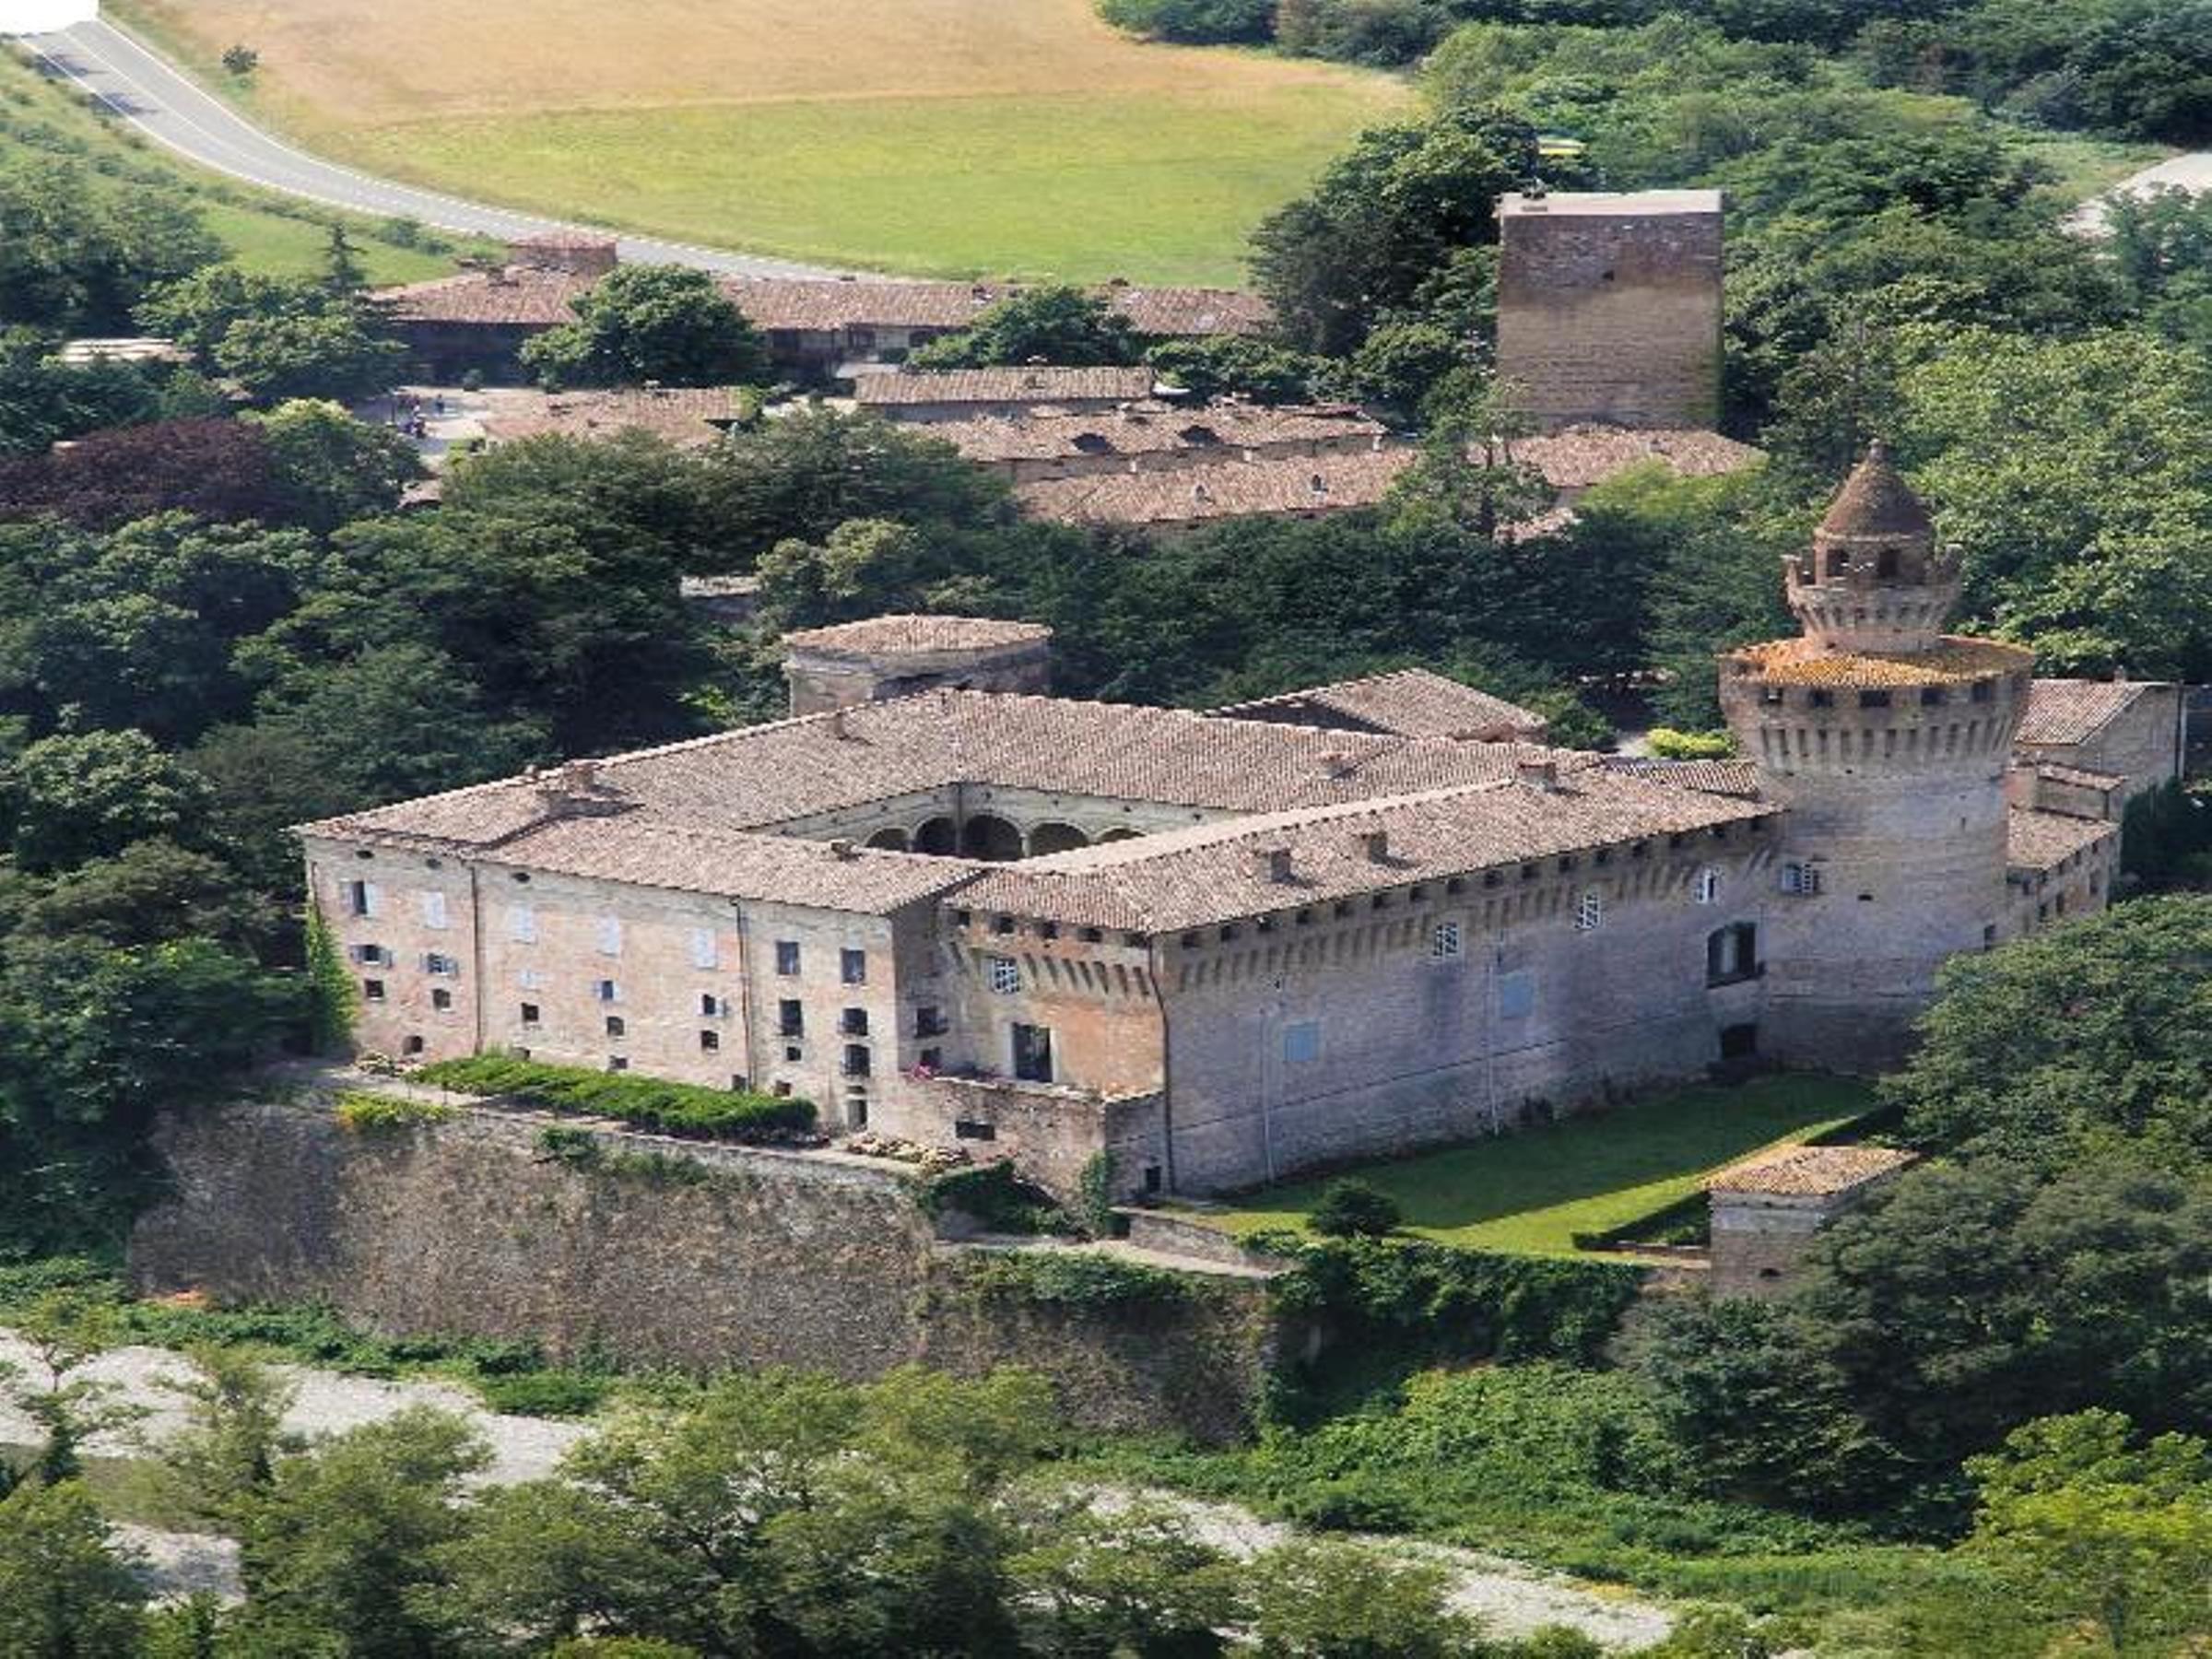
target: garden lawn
950 138
1533 1189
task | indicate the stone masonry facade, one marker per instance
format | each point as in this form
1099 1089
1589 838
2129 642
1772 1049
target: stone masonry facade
1609 307
1222 947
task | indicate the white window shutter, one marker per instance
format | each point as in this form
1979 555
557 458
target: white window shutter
703 952
373 899
521 925
434 910
610 935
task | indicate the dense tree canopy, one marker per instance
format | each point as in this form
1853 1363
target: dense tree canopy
651 323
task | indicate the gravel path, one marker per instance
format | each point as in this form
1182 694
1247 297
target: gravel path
2191 172
329 1403
1511 1598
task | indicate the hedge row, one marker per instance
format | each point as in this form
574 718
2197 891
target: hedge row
683 1109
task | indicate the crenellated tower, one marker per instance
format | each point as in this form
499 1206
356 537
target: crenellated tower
1887 739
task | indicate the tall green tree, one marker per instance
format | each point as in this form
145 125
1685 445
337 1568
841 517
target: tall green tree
1052 324
67 1590
651 323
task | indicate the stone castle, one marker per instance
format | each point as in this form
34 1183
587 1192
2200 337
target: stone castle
1222 946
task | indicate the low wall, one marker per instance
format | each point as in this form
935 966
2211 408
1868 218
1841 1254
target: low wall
465 1227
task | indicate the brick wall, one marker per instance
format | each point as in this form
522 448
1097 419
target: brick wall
1609 308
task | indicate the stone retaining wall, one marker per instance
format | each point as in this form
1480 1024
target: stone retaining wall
465 1227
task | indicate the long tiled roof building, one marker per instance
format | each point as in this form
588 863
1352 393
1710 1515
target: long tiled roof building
1218 946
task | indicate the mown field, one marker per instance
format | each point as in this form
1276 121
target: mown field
947 136
1533 1191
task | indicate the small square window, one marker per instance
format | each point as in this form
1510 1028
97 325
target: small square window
413 1045
709 1041
852 967
793 1052
1005 974
441 998
710 1006
616 1026
854 1022
780 1089
856 1060
530 1013
791 1017
787 957
1089 935
616 1063
372 989
1707 888
1446 942
971 1129
607 991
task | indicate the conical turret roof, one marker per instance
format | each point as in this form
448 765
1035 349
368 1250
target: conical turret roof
1875 501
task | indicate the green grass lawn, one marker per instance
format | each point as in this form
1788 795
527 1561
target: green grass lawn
1156 189
1531 1191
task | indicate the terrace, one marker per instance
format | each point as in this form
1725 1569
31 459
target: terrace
1532 1193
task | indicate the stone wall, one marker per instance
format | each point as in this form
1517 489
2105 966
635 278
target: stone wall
1609 307
463 1228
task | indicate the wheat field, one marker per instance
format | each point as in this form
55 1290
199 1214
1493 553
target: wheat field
952 136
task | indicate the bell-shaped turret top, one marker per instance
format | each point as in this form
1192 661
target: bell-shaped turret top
1874 579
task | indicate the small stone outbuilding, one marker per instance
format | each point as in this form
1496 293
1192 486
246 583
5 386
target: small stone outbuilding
1766 1210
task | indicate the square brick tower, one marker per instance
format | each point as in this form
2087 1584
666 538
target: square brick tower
1609 307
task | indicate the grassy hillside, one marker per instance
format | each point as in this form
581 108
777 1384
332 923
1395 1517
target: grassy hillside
266 233
951 136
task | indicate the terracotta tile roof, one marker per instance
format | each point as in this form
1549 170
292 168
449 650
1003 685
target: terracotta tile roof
2075 710
819 306
1875 501
692 858
2038 840
1149 429
1811 1171
1577 456
1037 383
1411 702
2080 779
690 416
1802 662
918 633
1713 777
1190 312
1324 483
1215 872
764 775
521 296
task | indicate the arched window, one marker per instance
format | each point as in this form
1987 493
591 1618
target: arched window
1048 839
990 838
1707 888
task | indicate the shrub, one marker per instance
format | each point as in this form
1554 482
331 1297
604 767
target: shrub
1076 1278
995 1196
361 1112
1668 744
679 1109
1352 1209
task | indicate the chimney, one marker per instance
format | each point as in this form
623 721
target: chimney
838 728
1272 863
1543 775
576 790
1375 844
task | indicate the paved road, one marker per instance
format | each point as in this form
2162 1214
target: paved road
141 88
2191 172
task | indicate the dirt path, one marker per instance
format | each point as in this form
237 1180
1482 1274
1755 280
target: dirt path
2191 172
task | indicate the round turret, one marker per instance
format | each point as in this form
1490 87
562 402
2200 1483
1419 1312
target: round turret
1887 740
1874 579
